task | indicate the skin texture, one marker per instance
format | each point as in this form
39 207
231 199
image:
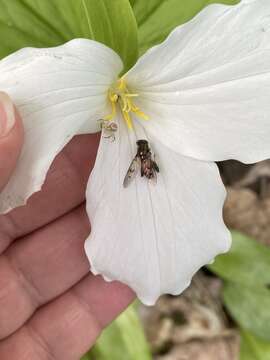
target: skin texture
51 307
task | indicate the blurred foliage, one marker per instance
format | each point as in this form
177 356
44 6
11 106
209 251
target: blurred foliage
246 273
248 262
44 23
253 348
250 307
157 18
123 340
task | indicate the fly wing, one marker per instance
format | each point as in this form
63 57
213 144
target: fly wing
154 170
155 166
132 171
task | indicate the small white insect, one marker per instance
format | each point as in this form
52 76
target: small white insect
109 129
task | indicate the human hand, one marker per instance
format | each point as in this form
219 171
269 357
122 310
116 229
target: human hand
51 307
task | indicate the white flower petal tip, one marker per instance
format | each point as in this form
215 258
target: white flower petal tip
96 272
151 300
59 92
19 199
145 299
206 88
153 237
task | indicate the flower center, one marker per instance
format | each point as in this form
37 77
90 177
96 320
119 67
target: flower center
120 95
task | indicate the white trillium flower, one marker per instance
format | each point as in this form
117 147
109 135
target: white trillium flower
201 96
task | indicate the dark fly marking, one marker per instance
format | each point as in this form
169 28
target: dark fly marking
142 162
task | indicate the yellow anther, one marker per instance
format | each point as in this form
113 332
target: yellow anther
114 98
132 95
141 114
120 94
128 119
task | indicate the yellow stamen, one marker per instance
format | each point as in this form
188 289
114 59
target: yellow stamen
121 95
128 119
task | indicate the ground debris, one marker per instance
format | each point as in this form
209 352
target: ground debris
217 349
247 208
191 326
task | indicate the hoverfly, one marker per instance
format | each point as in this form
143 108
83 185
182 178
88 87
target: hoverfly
144 162
109 128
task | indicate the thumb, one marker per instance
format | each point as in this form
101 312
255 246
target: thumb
11 138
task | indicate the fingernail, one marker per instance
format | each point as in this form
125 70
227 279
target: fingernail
7 114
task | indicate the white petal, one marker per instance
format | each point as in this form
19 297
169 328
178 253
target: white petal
153 237
207 87
59 92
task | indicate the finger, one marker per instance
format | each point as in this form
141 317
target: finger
40 267
67 327
11 138
63 190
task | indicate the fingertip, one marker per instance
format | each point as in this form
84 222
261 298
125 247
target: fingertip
11 138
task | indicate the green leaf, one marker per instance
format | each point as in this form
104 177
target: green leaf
123 340
253 348
250 307
44 23
246 271
157 18
247 262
